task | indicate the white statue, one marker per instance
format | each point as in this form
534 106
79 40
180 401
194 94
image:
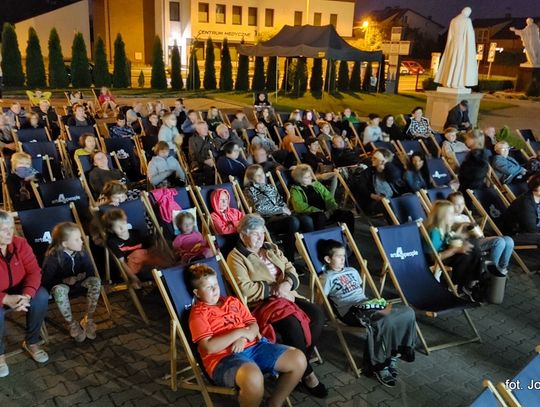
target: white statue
531 41
458 67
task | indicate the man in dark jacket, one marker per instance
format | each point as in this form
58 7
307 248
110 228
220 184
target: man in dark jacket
200 145
473 170
523 216
458 117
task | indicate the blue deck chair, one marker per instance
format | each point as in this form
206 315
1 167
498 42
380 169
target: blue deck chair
299 150
37 163
284 178
405 208
526 134
63 192
489 397
125 151
532 148
384 144
85 162
75 132
523 396
490 204
514 190
434 194
461 156
439 173
405 261
433 144
47 150
32 135
178 298
409 147
308 245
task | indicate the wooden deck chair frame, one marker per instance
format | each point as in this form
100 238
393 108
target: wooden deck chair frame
47 161
97 105
241 194
15 132
359 141
402 153
96 130
283 185
490 387
428 204
388 270
391 213
507 394
5 192
486 219
315 284
278 135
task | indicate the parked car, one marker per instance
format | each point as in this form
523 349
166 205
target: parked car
411 68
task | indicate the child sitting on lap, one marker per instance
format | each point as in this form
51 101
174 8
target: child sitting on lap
190 243
68 267
230 346
390 329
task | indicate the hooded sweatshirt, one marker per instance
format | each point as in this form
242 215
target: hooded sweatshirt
225 222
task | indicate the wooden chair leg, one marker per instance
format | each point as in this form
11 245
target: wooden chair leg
173 350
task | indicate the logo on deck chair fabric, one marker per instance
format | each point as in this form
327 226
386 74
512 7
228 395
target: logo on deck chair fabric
494 212
122 154
439 175
64 200
400 254
46 238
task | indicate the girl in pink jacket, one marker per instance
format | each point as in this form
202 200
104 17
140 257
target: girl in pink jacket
190 244
224 217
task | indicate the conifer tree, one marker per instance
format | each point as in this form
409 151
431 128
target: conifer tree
242 74
176 69
300 77
330 77
102 77
58 77
316 80
257 82
343 76
225 75
159 78
11 58
194 77
354 83
271 70
120 77
366 86
209 80
80 75
35 67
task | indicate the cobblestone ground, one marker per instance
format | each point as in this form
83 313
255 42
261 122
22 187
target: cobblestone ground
126 364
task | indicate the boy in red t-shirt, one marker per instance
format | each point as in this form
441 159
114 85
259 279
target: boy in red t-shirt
228 341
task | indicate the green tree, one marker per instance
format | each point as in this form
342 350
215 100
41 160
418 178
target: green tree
80 75
354 84
120 75
330 77
11 57
242 74
343 76
258 82
316 80
367 77
194 77
58 77
209 80
35 67
288 77
271 71
159 78
381 82
225 75
300 77
102 77
176 69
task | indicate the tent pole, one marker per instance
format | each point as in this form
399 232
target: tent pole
277 77
379 80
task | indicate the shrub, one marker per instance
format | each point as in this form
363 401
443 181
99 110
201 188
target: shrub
343 76
330 77
316 80
11 58
225 75
58 77
102 77
80 75
35 67
493 85
354 84
209 80
258 81
300 77
271 70
120 72
242 74
159 78
176 69
533 89
366 83
429 84
194 77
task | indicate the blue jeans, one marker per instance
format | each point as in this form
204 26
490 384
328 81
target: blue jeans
34 318
500 249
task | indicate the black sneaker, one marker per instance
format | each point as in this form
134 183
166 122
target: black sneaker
320 391
392 367
385 377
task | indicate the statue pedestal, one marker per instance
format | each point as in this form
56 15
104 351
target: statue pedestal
525 76
439 103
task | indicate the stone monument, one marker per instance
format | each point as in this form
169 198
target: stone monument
457 72
530 36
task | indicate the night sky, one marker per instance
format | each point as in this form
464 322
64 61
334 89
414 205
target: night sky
442 11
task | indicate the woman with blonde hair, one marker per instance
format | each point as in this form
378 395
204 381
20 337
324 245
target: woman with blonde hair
454 249
309 196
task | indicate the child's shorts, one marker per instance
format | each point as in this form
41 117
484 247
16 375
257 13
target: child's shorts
264 354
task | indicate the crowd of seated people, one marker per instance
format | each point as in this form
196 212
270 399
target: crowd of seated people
182 149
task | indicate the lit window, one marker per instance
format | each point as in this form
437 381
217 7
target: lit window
237 15
174 11
317 17
269 17
220 13
252 16
203 12
297 18
333 19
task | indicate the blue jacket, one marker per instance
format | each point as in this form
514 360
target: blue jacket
56 267
506 169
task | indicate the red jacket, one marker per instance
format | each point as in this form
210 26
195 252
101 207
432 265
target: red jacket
19 268
224 222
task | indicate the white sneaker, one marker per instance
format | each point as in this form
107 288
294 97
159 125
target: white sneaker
4 369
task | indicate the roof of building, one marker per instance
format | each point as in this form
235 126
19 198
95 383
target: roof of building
396 13
504 24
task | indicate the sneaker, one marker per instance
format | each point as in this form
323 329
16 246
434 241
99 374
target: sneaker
89 327
385 377
38 354
76 331
392 367
320 391
4 369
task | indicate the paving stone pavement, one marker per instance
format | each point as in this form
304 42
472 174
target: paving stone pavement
126 364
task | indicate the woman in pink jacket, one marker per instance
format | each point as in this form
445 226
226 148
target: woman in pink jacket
224 218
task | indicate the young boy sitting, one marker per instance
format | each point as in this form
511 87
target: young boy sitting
232 351
390 329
